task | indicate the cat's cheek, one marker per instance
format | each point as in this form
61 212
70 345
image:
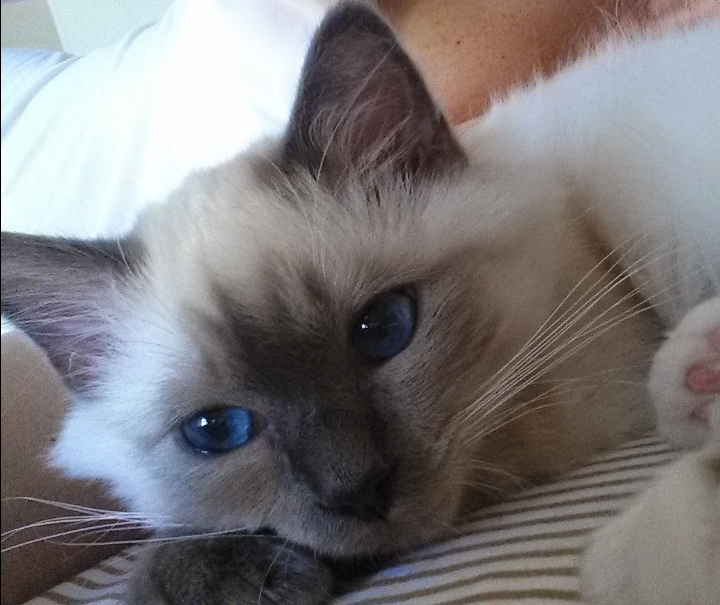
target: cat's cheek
89 447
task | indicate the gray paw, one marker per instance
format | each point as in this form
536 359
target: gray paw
232 570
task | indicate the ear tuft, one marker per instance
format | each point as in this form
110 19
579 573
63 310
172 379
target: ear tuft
362 106
63 294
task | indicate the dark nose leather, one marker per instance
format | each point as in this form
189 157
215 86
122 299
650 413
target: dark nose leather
368 500
340 456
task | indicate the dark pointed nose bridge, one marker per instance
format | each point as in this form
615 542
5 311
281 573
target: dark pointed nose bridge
340 455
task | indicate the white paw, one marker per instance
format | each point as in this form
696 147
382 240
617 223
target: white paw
684 379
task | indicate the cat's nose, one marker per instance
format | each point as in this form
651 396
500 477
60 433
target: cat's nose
368 500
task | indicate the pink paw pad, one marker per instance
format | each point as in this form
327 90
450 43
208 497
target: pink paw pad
705 378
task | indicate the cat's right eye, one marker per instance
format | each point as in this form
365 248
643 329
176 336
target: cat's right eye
220 430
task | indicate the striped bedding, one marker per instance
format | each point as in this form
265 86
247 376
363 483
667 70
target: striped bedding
525 550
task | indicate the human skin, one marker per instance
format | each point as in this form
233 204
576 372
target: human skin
470 51
33 403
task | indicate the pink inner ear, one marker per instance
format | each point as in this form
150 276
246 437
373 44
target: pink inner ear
362 106
64 293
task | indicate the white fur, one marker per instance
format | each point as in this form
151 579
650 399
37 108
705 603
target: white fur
604 125
664 549
95 442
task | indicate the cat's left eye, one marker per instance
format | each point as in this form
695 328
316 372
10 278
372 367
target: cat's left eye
220 430
386 326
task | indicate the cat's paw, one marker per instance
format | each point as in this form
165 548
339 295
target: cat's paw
684 380
234 570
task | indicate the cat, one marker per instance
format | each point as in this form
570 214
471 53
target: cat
338 340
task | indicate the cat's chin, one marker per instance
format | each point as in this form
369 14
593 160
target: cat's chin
375 539
405 527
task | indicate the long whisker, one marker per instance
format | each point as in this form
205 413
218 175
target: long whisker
484 465
514 411
142 540
516 416
551 323
511 374
594 328
59 521
267 573
116 525
72 507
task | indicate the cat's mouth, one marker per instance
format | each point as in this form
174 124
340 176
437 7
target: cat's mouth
415 504
410 520
338 536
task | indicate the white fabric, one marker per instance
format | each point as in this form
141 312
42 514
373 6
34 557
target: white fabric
83 26
87 143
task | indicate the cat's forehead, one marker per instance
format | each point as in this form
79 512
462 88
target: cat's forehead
277 244
259 238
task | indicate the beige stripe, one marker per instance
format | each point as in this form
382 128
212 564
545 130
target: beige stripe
44 599
631 463
62 599
475 562
59 598
652 449
565 503
106 567
513 596
588 480
551 535
480 577
622 456
88 584
545 521
649 439
506 507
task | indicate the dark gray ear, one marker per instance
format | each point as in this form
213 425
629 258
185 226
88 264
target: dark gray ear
362 105
60 292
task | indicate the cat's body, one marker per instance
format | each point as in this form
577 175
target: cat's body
510 275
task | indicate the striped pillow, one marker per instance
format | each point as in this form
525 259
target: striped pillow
524 550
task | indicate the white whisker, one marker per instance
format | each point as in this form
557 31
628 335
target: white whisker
515 377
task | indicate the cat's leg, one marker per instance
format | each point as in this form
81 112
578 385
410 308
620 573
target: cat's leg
685 378
664 548
230 570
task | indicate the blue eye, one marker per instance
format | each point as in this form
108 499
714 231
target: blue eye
386 325
218 431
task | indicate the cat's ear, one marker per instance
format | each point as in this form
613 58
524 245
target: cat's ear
362 106
64 294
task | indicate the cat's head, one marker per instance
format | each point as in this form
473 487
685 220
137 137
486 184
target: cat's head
287 341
